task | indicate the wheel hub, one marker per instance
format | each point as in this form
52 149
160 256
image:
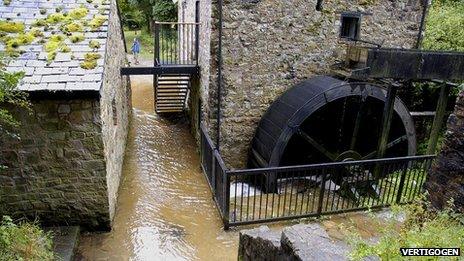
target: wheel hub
349 155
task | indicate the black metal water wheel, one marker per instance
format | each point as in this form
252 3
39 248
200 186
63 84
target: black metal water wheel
324 119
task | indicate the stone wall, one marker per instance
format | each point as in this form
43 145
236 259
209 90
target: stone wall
269 46
297 242
115 106
56 170
199 91
67 165
446 180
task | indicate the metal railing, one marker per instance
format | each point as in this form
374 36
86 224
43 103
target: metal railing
176 43
216 173
271 194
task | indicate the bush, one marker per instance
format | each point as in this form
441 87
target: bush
24 241
421 228
444 26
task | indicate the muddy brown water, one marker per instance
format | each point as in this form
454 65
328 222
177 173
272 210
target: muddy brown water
165 210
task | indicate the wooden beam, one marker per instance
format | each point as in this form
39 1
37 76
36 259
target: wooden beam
389 145
386 120
438 119
317 146
422 113
357 124
410 64
164 69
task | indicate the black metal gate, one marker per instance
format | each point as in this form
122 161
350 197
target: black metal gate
310 190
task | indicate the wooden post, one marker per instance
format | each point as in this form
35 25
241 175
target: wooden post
388 110
386 120
439 118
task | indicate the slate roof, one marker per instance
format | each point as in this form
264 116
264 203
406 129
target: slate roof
64 72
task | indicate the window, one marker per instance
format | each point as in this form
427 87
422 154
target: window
351 26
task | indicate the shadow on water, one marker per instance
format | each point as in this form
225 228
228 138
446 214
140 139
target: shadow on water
165 210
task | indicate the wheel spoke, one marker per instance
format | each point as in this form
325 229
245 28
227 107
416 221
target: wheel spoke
341 128
316 145
389 145
357 124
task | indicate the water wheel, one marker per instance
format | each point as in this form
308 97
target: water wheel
324 119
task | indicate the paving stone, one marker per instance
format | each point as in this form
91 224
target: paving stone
311 242
33 79
298 242
56 86
63 57
54 70
36 63
260 244
34 60
65 241
50 78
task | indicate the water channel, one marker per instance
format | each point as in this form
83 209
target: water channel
165 210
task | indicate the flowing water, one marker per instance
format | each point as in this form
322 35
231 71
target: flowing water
165 210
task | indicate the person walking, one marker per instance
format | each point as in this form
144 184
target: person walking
136 50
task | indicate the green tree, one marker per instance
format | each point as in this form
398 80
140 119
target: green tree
165 10
131 16
444 27
10 96
141 13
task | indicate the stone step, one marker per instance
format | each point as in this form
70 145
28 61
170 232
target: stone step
65 240
298 242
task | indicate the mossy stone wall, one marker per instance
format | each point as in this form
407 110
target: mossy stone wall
56 170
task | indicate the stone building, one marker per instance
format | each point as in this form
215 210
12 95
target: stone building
268 46
66 166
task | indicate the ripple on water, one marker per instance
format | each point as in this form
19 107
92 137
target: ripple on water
164 211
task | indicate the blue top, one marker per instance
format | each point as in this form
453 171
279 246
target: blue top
136 47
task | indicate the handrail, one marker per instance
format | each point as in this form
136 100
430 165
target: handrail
176 43
193 23
326 165
331 188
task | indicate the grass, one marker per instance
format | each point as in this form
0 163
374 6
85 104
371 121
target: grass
422 227
24 241
146 42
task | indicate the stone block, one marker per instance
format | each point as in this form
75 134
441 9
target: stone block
64 108
311 242
259 244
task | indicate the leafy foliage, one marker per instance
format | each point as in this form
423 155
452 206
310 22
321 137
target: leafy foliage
444 28
165 10
9 94
131 16
24 241
421 228
137 14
